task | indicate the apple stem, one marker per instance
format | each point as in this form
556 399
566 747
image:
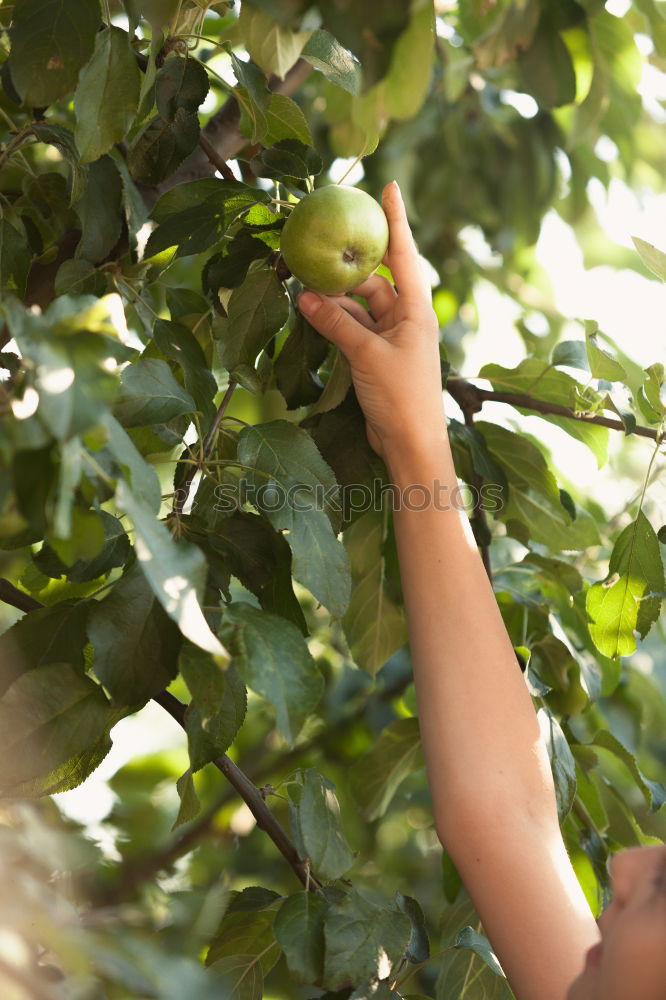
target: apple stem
351 167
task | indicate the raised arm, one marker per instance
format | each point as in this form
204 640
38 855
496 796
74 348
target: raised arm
492 788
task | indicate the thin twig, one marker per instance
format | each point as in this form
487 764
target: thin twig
252 798
465 393
10 594
182 495
138 871
218 162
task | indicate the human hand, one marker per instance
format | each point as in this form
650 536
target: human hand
392 349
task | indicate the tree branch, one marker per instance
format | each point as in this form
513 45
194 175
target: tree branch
466 395
253 799
17 598
221 132
237 778
136 871
181 495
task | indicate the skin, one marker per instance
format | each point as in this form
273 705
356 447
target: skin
493 797
632 960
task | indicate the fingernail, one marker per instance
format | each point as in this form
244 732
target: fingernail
397 190
309 302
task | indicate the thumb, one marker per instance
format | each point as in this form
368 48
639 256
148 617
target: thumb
332 321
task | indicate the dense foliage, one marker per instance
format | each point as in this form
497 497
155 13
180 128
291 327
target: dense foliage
164 403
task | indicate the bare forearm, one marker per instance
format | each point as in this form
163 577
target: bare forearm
478 724
488 768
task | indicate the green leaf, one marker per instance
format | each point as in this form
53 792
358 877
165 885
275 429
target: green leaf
654 259
376 776
56 634
602 364
139 475
418 949
70 337
363 941
100 211
285 120
150 394
229 268
15 259
511 33
314 816
410 73
50 41
465 974
295 488
195 216
341 439
271 46
621 605
259 557
533 497
287 158
107 94
562 762
135 643
53 720
217 706
256 310
588 114
303 352
653 791
572 354
338 64
189 800
63 139
480 945
175 570
243 934
652 395
375 991
250 78
79 277
242 975
181 84
299 930
374 627
337 385
539 379
177 342
161 146
547 69
274 660
114 552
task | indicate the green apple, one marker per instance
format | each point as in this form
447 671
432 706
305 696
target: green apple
334 238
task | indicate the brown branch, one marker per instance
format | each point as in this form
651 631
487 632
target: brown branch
247 790
221 165
181 495
17 598
253 799
145 868
137 871
466 394
223 134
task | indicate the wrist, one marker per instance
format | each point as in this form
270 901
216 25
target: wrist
419 456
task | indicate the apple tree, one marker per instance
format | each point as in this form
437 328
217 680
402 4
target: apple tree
163 405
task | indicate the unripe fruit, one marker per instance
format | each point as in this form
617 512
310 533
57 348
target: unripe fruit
334 238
